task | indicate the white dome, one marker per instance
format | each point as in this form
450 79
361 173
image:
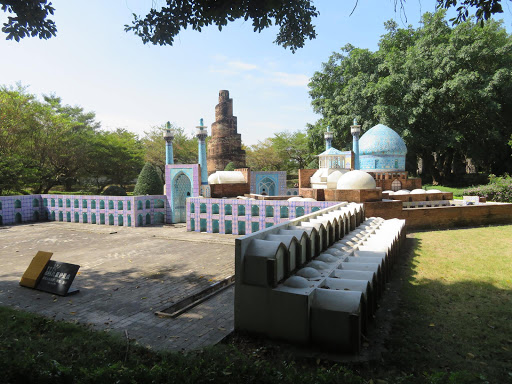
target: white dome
318 175
434 191
308 199
402 192
332 179
356 180
226 177
390 192
417 192
295 198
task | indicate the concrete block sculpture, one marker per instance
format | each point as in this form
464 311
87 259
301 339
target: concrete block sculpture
315 279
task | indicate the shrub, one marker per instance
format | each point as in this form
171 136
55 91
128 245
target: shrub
230 166
499 189
148 182
114 190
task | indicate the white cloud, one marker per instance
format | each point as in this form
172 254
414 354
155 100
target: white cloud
257 74
240 65
290 79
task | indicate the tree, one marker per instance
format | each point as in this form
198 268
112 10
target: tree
148 182
44 140
184 148
230 166
83 127
263 157
117 158
30 19
293 148
161 26
285 151
426 83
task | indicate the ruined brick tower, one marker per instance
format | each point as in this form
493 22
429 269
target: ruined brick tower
225 144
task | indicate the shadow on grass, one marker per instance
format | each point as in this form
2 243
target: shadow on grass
446 327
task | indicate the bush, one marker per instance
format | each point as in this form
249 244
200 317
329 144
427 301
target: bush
499 189
148 182
114 190
230 167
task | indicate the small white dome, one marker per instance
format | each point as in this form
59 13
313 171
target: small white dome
318 265
356 180
308 199
295 198
434 191
417 192
319 175
296 282
332 179
226 177
327 258
308 273
389 192
402 192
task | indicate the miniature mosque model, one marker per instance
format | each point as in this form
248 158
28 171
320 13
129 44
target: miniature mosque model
209 199
312 261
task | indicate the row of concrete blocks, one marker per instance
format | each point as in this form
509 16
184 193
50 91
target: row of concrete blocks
316 281
426 204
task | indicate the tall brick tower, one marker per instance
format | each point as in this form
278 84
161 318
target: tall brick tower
225 144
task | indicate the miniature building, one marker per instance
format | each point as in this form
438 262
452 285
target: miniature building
332 164
225 145
382 153
382 150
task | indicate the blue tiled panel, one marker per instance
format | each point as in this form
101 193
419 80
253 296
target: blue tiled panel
380 163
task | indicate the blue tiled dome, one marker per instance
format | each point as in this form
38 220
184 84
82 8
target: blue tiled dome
381 140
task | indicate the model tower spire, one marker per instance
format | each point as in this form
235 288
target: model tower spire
201 134
355 129
328 138
168 137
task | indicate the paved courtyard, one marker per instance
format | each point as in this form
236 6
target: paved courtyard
126 275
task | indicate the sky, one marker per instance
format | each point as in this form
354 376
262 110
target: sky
95 64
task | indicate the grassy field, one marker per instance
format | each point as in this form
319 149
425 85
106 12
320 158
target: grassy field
457 192
456 312
453 325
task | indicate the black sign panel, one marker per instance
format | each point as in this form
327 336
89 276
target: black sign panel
58 277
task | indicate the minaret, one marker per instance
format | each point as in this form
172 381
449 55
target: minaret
328 138
225 144
168 137
201 134
355 130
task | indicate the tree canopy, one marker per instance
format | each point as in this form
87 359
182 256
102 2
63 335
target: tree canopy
148 182
284 151
447 91
161 25
45 143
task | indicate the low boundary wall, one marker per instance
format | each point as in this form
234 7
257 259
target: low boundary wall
130 211
240 217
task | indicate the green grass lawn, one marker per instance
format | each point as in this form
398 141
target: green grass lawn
457 192
456 312
453 325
